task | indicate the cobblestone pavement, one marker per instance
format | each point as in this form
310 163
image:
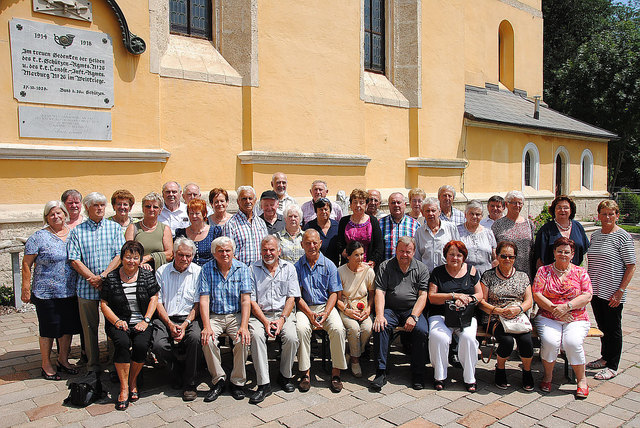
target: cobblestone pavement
28 400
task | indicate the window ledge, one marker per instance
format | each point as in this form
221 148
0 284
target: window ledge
195 59
294 158
94 154
436 163
377 89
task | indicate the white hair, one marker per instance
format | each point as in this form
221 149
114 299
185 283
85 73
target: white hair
246 189
51 205
474 204
222 240
315 182
447 187
273 177
397 193
181 241
292 207
406 240
93 198
192 184
153 196
430 201
514 194
174 182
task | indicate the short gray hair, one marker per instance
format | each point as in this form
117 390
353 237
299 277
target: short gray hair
154 197
222 240
51 205
397 193
320 182
268 238
174 182
246 189
93 198
192 184
514 194
181 241
292 207
447 187
430 201
70 192
406 240
474 204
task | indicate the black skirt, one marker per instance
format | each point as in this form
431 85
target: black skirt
57 317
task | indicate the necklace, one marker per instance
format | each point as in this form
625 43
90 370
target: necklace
57 233
562 228
559 271
147 227
511 273
127 275
198 232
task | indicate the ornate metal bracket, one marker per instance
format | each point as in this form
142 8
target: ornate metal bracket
133 43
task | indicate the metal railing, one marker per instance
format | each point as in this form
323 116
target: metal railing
629 202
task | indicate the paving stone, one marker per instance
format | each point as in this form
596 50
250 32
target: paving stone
633 423
537 410
56 397
349 418
463 405
477 419
169 402
26 394
398 416
332 407
426 404
108 419
204 419
148 421
631 395
243 421
498 409
20 406
72 415
45 411
519 399
556 399
176 414
13 419
555 422
100 408
271 400
441 416
298 419
139 409
40 423
484 396
395 400
379 423
517 419
618 412
625 379
604 420
570 415
583 407
12 387
612 389
451 394
419 423
627 404
279 410
371 409
326 423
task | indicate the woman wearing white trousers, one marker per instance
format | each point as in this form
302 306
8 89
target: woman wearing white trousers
455 280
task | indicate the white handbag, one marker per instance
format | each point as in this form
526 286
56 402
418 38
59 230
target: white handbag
518 325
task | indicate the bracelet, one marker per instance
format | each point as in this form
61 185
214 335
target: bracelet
115 324
453 296
570 306
521 310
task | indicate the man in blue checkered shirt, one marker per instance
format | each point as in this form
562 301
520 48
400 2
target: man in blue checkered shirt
94 251
396 224
245 228
446 196
225 306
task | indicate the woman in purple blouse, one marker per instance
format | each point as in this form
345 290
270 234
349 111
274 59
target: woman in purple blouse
361 227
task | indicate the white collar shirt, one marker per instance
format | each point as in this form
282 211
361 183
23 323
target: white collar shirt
178 290
270 292
175 219
429 246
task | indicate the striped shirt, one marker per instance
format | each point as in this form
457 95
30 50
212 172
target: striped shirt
225 293
457 216
392 231
246 235
95 245
607 258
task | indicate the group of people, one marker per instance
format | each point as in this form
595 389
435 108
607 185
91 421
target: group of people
187 273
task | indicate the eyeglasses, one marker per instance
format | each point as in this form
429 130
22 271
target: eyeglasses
563 253
506 257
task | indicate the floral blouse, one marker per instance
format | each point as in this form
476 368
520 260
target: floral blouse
575 283
291 245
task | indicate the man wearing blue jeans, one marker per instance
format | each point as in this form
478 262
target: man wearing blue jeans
401 295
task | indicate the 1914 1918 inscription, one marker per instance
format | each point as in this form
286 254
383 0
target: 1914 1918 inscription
61 65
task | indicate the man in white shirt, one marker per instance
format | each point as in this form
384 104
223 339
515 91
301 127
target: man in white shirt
174 213
495 206
279 185
275 288
319 189
177 327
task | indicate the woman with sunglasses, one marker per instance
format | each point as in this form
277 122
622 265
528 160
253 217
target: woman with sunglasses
507 293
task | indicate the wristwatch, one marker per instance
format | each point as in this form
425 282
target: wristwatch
415 318
188 321
102 277
147 320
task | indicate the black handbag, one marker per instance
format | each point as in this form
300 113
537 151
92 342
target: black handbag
81 394
459 316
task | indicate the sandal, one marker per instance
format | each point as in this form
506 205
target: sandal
605 374
471 387
438 385
134 396
65 369
582 392
597 364
122 405
46 376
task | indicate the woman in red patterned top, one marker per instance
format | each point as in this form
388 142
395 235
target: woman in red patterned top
562 290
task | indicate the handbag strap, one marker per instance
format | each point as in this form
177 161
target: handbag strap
489 338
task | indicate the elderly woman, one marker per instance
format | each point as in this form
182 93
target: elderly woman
219 200
154 236
53 290
507 293
122 202
201 233
562 211
416 197
562 290
128 300
611 264
326 227
361 227
72 200
459 282
355 306
515 228
480 242
291 237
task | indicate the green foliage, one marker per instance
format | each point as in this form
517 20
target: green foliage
6 296
543 218
629 204
630 229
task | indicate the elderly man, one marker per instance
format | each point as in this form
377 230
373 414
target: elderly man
245 228
495 206
319 189
279 185
191 192
174 213
446 196
396 224
177 328
374 199
269 206
433 235
72 200
321 288
225 307
275 288
401 295
94 251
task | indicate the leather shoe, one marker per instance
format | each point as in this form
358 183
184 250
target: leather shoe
214 392
305 383
261 393
286 383
190 393
237 392
417 383
336 384
379 381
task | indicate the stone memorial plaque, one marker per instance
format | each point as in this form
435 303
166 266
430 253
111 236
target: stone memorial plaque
52 64
42 122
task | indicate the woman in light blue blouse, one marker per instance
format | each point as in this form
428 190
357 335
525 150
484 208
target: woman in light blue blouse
53 289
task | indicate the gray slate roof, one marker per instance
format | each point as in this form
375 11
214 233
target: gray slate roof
504 107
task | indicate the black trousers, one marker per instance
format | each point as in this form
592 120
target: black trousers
166 349
609 320
505 342
129 345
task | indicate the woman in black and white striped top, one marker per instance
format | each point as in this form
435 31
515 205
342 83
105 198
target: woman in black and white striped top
611 263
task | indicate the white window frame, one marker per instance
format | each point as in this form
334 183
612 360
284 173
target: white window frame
535 165
588 173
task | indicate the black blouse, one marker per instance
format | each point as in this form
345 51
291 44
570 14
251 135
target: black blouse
448 284
113 293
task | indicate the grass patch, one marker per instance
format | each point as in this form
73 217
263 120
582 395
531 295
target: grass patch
629 228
